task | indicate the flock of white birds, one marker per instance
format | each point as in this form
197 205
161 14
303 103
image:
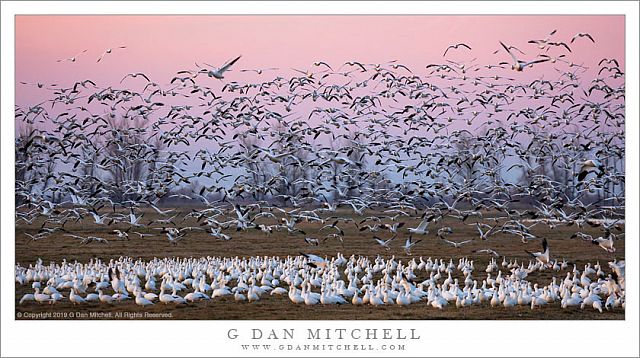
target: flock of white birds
311 280
456 139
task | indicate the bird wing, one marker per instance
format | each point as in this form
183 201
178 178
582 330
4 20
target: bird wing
509 52
535 61
423 223
228 64
312 257
582 175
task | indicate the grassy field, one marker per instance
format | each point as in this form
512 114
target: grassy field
254 243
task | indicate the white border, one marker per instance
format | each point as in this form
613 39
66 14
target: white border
197 338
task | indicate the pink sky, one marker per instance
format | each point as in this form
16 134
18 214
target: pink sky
162 45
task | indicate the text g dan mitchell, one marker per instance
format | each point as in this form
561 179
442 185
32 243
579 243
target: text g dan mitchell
325 333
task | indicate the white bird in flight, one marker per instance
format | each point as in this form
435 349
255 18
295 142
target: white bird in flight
519 65
107 51
72 58
219 73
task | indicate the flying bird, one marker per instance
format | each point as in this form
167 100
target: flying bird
219 73
605 243
543 256
487 251
519 65
384 243
423 226
108 51
409 244
456 244
589 166
315 260
72 58
582 34
134 75
455 47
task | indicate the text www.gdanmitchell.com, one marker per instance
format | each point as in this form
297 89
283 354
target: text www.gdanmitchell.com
323 347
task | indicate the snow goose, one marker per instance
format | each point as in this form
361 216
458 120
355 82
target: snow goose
308 298
409 244
573 300
92 297
314 260
75 298
543 256
150 296
105 298
252 295
509 300
218 73
519 65
606 244
176 298
28 297
150 285
294 295
374 299
439 302
403 299
589 166
422 228
141 301
165 297
55 297
278 291
356 301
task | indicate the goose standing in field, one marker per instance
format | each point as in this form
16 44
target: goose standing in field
75 298
41 297
309 299
141 301
91 297
355 300
28 297
395 285
294 295
105 298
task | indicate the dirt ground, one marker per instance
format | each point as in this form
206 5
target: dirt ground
58 247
